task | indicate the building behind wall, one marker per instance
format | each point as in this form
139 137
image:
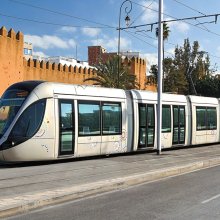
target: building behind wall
17 64
136 64
14 67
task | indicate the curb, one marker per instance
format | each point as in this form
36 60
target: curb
24 203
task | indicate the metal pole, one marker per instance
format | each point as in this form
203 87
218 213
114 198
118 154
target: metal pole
160 73
127 10
119 41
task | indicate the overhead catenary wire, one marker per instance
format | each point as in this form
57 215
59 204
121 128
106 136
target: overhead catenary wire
104 25
60 13
187 6
178 19
144 34
51 23
133 35
195 10
141 13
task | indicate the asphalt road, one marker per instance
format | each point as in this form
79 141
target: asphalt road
191 196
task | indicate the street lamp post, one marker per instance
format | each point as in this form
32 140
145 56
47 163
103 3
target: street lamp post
127 20
160 79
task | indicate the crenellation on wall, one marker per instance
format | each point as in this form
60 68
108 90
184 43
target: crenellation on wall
36 63
30 63
85 70
11 58
60 67
34 69
48 65
65 68
89 71
80 69
42 64
3 31
12 34
14 67
71 69
54 66
20 36
75 69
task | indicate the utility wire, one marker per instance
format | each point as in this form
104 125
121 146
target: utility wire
131 33
179 19
144 34
187 6
47 23
60 13
142 12
193 9
106 26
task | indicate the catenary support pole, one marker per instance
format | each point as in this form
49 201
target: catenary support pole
160 73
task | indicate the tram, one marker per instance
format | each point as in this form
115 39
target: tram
49 121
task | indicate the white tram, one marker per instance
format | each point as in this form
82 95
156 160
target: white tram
48 121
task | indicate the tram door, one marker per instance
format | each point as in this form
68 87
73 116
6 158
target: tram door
178 124
66 127
146 125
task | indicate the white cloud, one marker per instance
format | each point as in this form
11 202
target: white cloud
39 53
48 41
150 14
91 32
179 26
112 43
68 29
72 42
170 52
152 59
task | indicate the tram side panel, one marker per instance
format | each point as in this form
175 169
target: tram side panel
114 127
174 119
132 121
102 129
189 122
40 146
205 120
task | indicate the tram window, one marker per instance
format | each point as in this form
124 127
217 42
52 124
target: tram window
200 118
143 115
89 118
111 113
166 119
206 118
211 118
29 122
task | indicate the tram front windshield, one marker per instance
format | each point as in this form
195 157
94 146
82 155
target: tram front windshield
10 104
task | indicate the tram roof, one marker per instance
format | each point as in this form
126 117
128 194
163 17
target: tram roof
152 96
203 100
48 89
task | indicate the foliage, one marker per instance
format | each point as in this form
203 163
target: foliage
186 71
166 31
107 75
209 86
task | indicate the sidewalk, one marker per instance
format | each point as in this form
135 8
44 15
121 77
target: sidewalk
26 187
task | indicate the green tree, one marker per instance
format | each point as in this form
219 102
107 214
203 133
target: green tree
185 72
174 82
209 86
107 75
154 72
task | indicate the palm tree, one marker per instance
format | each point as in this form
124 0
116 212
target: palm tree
166 32
107 75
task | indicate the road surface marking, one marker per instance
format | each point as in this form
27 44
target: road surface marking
212 198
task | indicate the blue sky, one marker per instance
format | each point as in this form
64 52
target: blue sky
83 23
